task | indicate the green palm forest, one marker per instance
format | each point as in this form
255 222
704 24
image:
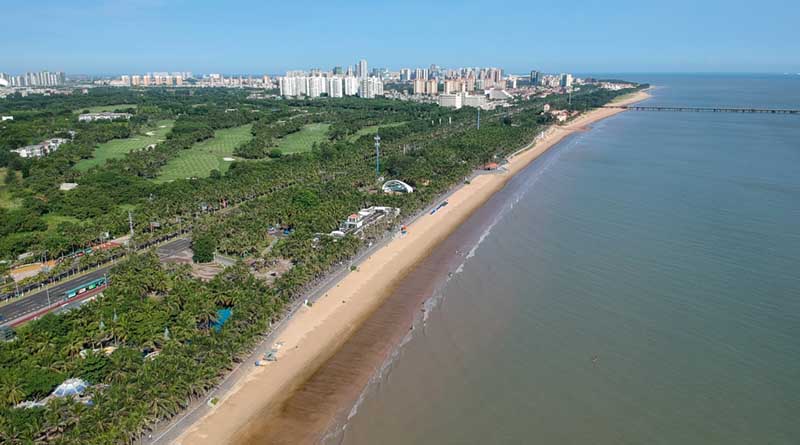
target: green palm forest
161 311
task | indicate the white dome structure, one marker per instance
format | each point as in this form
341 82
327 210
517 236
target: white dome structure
71 387
396 186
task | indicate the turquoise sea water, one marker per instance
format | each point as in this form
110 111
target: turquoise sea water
638 284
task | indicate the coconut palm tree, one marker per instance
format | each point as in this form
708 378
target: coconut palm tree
11 389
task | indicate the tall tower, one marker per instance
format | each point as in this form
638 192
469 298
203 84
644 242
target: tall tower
535 78
362 69
377 155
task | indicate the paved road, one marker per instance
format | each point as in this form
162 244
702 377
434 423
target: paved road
173 248
38 300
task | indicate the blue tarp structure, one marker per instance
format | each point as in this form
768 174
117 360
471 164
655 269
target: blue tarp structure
222 316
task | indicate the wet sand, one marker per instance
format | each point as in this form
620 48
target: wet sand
330 351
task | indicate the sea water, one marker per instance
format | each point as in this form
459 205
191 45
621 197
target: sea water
639 283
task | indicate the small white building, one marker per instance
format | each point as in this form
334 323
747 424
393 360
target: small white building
42 149
475 101
366 217
396 186
450 100
6 118
499 94
104 116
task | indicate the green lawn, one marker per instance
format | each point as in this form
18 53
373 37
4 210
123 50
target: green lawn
6 201
198 161
372 129
118 148
302 140
101 108
53 220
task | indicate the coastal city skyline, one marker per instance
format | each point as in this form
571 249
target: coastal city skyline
586 37
361 222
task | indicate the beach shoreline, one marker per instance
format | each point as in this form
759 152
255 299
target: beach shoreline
312 335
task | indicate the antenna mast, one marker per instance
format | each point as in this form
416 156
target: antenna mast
377 155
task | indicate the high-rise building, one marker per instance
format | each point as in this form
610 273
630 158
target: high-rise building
405 74
432 87
289 86
455 86
370 87
470 83
40 79
535 78
419 86
566 80
337 71
350 86
316 86
361 71
335 86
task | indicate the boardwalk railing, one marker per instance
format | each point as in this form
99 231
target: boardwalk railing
706 109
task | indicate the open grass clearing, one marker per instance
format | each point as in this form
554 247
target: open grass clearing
6 201
54 220
101 108
118 148
198 161
372 129
302 140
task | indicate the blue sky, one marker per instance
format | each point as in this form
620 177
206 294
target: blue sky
116 36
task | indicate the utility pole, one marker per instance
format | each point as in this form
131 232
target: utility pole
377 156
130 225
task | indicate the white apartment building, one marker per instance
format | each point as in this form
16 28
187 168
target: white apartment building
42 149
288 86
294 86
316 86
370 87
350 86
335 87
362 69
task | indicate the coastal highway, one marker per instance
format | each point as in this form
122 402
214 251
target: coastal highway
38 300
165 433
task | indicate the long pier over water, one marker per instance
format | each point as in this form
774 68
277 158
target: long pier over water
706 109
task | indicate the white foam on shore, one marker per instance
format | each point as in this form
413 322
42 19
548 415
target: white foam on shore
435 300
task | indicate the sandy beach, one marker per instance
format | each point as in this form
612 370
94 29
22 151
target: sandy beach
313 334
